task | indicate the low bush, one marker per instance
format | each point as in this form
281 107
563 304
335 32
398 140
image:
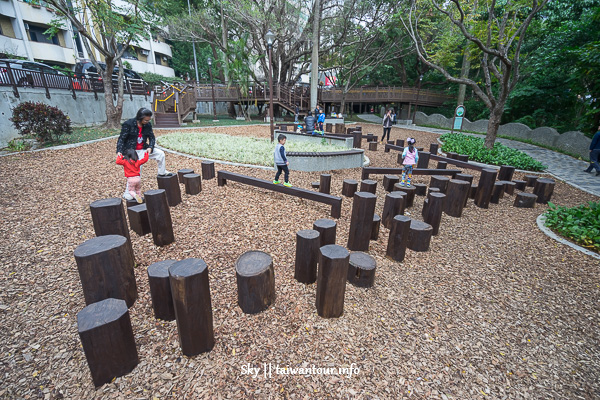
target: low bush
581 223
41 121
499 155
157 79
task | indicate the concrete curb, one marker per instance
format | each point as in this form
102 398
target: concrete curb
60 147
548 232
216 161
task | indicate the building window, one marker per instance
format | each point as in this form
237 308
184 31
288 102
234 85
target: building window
157 59
36 34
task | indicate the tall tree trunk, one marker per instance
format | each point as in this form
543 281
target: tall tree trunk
493 124
314 73
224 35
464 73
113 112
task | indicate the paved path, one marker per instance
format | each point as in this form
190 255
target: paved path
563 167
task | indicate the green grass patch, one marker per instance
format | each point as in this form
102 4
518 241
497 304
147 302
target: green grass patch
240 149
498 155
85 134
580 224
223 120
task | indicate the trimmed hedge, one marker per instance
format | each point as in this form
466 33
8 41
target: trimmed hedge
499 155
581 223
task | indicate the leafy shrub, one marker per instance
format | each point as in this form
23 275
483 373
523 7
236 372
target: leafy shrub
157 79
581 223
45 123
499 155
18 145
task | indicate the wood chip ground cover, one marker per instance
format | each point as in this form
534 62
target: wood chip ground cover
495 309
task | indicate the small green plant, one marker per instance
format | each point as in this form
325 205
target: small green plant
41 121
498 155
581 223
18 145
127 65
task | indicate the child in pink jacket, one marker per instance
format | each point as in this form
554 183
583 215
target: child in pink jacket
131 164
410 158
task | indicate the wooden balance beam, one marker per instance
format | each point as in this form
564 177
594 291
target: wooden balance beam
367 171
334 201
459 164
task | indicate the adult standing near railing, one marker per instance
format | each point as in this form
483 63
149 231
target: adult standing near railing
136 133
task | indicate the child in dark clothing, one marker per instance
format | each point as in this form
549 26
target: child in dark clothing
281 161
131 165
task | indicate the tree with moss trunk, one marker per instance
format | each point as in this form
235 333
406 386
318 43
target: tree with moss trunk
110 28
494 31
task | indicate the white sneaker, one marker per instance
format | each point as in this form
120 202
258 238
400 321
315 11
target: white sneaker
127 196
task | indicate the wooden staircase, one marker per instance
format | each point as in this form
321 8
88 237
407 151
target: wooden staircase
166 120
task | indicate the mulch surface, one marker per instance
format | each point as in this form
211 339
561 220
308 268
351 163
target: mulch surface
495 309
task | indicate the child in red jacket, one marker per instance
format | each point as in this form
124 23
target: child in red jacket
132 164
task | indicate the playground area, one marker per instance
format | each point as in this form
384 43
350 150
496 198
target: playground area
494 309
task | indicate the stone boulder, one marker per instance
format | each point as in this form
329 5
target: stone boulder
515 129
575 142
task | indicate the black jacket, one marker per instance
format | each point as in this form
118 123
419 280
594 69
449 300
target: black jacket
129 134
310 123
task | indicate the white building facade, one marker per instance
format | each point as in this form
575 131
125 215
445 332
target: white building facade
22 27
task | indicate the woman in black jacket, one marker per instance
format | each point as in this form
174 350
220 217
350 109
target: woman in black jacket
137 134
387 125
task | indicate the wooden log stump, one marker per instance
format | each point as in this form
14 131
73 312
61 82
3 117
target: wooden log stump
543 189
466 178
105 265
308 243
375 227
328 128
525 200
420 189
108 217
485 187
107 340
519 184
409 199
389 181
433 148
452 155
400 142
473 191
327 231
370 138
398 240
462 157
442 165
509 187
133 203
138 219
193 307
255 281
361 221
425 205
325 183
315 185
400 159
361 269
393 205
530 179
170 185
331 280
182 172
433 190
497 192
435 207
193 183
440 182
456 197
339 128
349 187
506 173
160 290
419 236
423 159
368 185
373 146
357 139
159 217
208 170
